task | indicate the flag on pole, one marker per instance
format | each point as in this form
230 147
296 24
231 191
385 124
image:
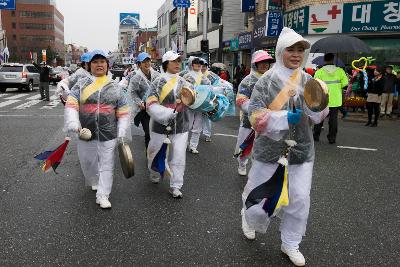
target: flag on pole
52 158
247 146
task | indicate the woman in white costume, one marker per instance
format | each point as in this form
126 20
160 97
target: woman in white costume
98 110
169 118
195 77
260 63
275 122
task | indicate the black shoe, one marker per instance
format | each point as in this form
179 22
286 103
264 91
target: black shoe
374 124
42 98
389 115
332 141
47 99
368 123
316 138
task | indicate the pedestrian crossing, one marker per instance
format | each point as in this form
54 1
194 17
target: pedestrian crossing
22 101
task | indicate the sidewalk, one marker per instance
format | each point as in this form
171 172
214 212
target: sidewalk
359 116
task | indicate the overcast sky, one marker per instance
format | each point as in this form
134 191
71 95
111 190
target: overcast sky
94 23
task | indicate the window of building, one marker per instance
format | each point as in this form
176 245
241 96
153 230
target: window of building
33 14
38 38
14 25
35 26
12 13
14 37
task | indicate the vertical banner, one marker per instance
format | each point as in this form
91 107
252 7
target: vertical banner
44 55
248 5
192 15
274 24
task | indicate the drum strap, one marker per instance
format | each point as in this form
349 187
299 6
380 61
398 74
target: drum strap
168 88
283 96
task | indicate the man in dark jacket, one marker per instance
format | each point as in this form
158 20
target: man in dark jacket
388 90
44 71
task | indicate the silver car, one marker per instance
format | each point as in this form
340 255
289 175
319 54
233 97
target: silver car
21 76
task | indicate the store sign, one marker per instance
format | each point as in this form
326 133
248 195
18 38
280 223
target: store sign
325 19
297 20
7 4
192 17
260 22
274 24
234 45
382 16
245 40
131 19
128 60
274 5
248 5
226 45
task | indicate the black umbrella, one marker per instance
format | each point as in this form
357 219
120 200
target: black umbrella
340 44
319 61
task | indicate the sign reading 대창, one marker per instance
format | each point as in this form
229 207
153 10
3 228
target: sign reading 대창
381 16
297 20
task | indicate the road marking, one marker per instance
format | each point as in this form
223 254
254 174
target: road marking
8 102
1 95
28 104
55 101
228 135
31 115
34 97
358 148
16 96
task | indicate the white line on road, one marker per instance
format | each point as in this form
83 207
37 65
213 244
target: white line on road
16 96
28 104
34 97
31 115
358 148
1 95
8 102
228 135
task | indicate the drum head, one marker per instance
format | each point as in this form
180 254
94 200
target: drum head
316 95
187 96
126 159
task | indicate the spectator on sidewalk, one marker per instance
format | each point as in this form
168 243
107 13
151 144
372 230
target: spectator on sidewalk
375 90
388 91
44 71
336 79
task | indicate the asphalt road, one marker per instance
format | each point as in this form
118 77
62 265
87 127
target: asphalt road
49 219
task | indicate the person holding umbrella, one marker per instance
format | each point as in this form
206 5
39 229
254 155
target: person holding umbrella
336 79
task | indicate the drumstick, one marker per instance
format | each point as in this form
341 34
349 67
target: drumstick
287 91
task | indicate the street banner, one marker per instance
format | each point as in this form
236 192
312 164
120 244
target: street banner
325 19
192 17
260 22
381 16
181 3
245 40
7 4
274 23
234 45
297 20
274 5
44 55
248 5
131 19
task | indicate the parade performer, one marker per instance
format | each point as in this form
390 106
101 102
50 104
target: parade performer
98 111
63 87
139 86
260 63
284 141
169 118
213 78
195 77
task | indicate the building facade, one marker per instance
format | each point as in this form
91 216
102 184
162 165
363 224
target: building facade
34 26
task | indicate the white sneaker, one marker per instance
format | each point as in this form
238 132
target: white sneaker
193 151
247 231
294 255
103 202
175 192
154 178
242 170
94 187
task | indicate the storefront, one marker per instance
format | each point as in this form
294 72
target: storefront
194 49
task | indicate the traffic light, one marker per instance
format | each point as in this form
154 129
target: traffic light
204 46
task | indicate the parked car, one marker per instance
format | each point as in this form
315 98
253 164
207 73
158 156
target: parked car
21 76
56 75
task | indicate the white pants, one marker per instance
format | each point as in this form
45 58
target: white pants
294 216
386 103
196 129
176 159
243 133
97 163
207 125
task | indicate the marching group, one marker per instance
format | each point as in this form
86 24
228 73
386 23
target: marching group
274 117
